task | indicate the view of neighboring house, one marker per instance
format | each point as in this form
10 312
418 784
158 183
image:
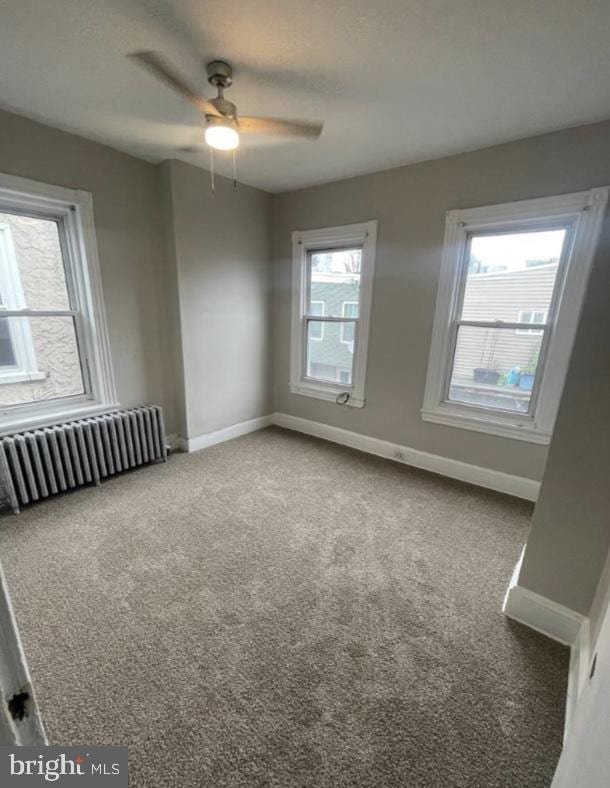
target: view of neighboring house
331 345
38 355
334 292
506 291
521 296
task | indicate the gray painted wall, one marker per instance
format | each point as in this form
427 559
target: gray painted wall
570 535
186 275
410 203
125 192
223 266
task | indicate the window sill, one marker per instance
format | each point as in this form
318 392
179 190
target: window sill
523 431
34 421
18 376
328 393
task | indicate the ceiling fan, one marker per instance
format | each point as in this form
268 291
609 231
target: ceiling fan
223 125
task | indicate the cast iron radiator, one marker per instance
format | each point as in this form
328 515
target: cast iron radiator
38 463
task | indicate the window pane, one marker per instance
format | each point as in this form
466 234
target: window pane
329 359
7 353
347 334
317 330
34 277
47 363
317 308
512 273
334 277
494 368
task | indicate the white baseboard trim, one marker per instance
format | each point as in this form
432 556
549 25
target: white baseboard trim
578 674
226 434
559 623
474 474
542 614
454 469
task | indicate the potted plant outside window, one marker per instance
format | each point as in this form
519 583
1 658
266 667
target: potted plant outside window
486 375
528 373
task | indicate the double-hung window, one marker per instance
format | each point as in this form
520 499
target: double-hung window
331 307
54 354
512 284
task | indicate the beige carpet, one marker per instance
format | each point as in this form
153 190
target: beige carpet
280 611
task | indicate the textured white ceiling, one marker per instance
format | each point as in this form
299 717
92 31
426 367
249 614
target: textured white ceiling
395 81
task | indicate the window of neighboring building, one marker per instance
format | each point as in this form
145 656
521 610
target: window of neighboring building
333 267
531 316
489 370
54 357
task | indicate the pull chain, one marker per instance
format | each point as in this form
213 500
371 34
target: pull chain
234 171
212 169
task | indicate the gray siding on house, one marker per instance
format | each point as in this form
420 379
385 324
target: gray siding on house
502 296
334 351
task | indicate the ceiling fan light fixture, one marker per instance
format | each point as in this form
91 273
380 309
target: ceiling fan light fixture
221 134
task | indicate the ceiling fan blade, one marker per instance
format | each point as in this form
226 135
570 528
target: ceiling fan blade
310 129
191 149
160 68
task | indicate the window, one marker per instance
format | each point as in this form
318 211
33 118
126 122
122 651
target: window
332 267
512 283
54 356
531 316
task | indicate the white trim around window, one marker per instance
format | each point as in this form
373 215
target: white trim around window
73 211
362 235
581 214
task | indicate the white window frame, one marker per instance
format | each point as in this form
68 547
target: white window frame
322 314
363 235
73 210
521 319
581 213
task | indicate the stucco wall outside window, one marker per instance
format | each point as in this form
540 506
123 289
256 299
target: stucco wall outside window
41 276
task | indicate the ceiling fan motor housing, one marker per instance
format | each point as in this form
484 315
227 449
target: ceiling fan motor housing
220 74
